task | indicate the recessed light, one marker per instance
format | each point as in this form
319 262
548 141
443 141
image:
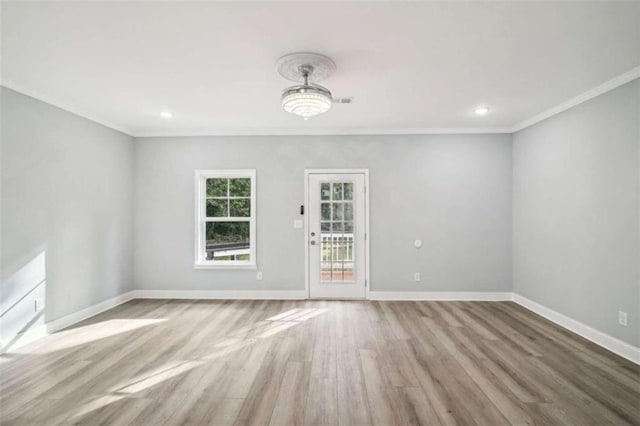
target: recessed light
482 110
166 114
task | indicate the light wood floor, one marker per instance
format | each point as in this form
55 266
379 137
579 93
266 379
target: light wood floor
317 362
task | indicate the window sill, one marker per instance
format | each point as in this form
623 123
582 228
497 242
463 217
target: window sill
239 266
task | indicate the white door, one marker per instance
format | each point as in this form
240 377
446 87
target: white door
337 232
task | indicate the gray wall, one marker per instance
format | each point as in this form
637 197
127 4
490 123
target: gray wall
576 192
67 199
67 213
453 192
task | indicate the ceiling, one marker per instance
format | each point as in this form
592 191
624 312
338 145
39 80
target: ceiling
411 66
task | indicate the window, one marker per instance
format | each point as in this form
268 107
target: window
225 218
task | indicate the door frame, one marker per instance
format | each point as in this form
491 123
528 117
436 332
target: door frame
367 239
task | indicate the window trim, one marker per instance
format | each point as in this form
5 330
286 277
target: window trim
201 177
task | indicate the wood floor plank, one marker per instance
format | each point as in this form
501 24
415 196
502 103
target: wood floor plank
289 406
223 362
351 392
383 409
321 407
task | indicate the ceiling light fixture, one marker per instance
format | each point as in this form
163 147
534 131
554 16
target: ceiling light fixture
482 110
308 98
166 114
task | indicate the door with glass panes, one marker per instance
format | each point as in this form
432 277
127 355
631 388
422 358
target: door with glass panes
336 240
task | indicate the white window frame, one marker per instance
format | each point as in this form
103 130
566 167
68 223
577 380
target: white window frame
201 177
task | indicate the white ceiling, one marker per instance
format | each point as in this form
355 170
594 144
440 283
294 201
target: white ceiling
410 66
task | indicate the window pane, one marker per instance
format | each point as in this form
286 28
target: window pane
338 209
348 211
240 208
240 187
217 187
227 241
325 209
325 191
337 262
217 208
337 227
337 191
325 226
348 191
348 227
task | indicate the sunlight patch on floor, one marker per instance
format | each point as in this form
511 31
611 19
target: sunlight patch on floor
85 334
226 345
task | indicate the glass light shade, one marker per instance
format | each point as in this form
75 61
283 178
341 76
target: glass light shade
306 101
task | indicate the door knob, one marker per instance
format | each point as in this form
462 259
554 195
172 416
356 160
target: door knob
313 243
313 234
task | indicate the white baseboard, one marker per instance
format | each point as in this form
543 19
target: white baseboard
221 294
69 320
440 295
616 346
50 327
611 343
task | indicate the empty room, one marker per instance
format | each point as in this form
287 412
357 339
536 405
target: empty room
320 213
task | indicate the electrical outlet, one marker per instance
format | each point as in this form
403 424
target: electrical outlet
259 276
622 318
297 224
416 277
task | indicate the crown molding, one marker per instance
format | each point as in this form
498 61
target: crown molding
584 97
63 106
570 103
350 132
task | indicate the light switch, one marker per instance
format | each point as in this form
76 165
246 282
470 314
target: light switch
297 224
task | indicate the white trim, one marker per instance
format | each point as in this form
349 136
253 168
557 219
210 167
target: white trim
365 131
200 219
441 295
68 320
221 294
584 97
50 327
205 266
367 246
570 103
608 342
611 343
63 106
605 87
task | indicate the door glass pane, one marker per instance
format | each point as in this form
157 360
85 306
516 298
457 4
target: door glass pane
325 191
337 191
348 211
338 209
227 241
337 260
348 191
325 211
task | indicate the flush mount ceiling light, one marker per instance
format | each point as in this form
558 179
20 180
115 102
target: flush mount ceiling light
166 114
482 110
309 98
